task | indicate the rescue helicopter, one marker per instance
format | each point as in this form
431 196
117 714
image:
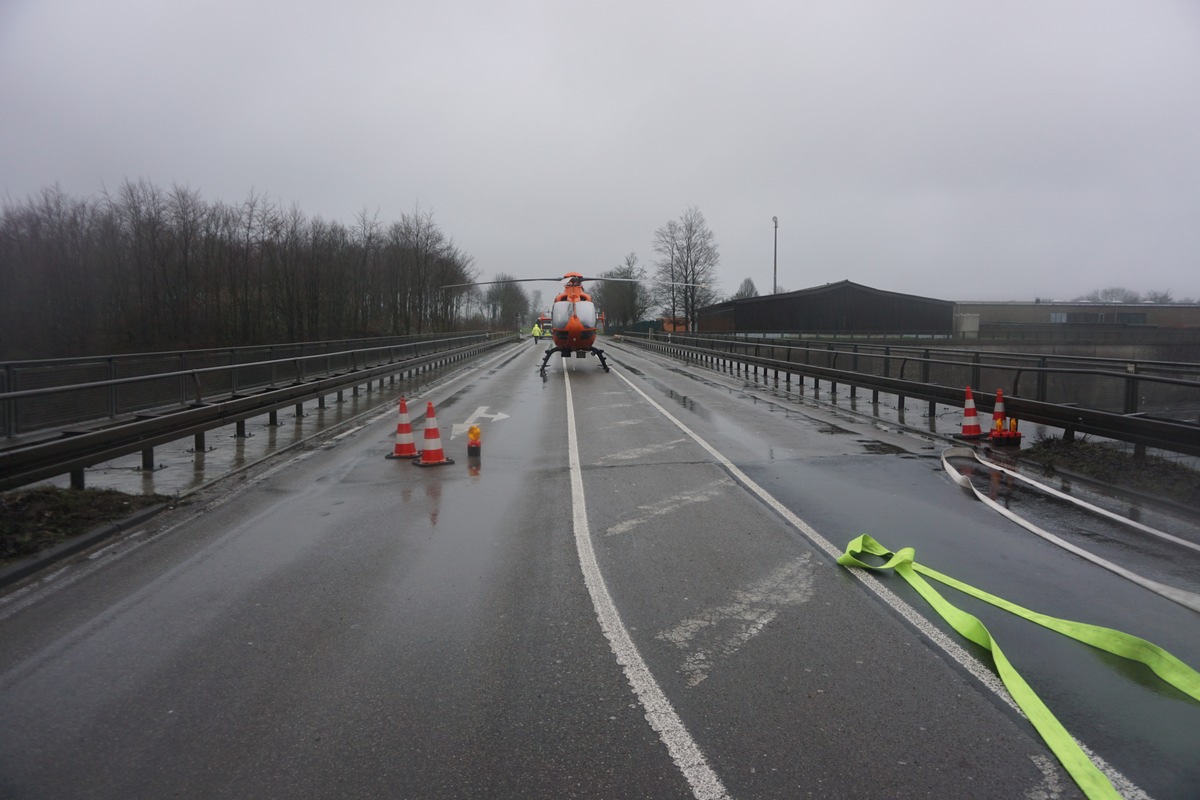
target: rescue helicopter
573 317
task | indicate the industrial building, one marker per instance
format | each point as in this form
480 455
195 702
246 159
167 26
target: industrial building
1046 312
835 307
848 307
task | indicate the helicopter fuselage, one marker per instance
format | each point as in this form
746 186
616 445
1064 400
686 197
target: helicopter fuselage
573 319
573 323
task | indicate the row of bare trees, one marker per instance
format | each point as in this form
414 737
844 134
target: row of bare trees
144 268
685 273
1119 294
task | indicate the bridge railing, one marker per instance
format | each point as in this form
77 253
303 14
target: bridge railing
82 424
1148 403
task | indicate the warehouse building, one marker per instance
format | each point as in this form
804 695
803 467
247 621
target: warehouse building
835 307
1050 312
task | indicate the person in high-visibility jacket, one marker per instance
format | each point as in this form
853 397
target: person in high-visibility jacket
537 332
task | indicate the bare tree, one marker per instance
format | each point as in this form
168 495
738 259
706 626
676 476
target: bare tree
666 245
747 289
688 259
624 299
1113 294
507 302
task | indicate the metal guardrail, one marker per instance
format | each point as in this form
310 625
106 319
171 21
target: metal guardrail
1091 396
48 412
197 400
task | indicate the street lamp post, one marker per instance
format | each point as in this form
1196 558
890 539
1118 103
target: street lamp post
775 276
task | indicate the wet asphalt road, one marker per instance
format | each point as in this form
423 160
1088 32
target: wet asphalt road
341 624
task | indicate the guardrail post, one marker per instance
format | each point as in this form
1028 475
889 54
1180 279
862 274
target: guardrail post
1041 380
77 481
1131 388
148 460
11 420
112 390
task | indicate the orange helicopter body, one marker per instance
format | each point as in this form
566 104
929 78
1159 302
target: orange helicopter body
573 317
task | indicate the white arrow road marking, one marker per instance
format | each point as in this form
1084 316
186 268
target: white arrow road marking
479 413
719 632
669 504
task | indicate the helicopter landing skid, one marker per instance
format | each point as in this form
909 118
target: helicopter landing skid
566 351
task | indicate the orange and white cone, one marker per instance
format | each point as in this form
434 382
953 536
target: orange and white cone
998 414
406 447
433 454
1004 427
970 424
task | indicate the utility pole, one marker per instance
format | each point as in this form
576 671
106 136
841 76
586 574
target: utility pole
775 276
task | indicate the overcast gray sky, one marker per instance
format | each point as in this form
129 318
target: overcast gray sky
959 149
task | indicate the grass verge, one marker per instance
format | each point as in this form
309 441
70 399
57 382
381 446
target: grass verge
32 520
1102 462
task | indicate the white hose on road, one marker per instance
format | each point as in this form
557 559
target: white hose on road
1182 596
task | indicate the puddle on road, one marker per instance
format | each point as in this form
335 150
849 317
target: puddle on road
878 448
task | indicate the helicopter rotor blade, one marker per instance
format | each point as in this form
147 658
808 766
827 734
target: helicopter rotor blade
489 283
578 278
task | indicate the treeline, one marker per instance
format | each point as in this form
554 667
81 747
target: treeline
144 268
1119 294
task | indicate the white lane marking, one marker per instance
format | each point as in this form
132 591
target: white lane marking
659 713
955 651
672 503
717 633
1050 787
642 452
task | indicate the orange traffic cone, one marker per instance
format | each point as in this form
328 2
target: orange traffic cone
405 446
998 413
433 454
1004 427
970 424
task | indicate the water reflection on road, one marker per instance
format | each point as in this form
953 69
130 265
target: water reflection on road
179 468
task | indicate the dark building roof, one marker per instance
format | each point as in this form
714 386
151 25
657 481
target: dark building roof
841 306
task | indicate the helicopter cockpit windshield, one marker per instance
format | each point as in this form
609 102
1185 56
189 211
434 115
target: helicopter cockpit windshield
584 309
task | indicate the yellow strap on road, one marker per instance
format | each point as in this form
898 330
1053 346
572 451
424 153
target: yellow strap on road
1081 769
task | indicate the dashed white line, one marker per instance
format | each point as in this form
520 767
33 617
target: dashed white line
659 712
1124 785
721 631
670 504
